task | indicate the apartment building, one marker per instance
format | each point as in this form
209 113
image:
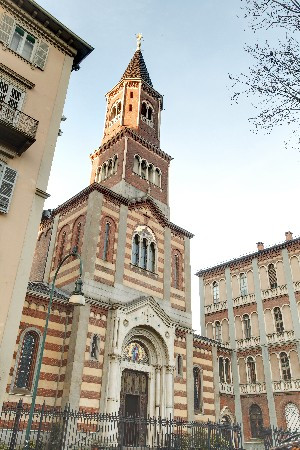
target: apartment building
251 305
37 55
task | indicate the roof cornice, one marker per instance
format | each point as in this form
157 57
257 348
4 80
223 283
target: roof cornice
119 199
248 257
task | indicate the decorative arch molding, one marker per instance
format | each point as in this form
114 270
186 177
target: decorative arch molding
225 411
141 321
147 171
77 232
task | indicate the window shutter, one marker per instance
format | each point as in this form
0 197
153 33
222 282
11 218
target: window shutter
41 54
7 24
7 185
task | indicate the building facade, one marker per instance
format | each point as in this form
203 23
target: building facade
132 347
252 306
37 54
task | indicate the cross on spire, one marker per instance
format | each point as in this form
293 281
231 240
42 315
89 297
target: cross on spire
139 37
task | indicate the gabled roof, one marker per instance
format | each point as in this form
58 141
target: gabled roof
137 69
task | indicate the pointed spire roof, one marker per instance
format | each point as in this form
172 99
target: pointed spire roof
137 68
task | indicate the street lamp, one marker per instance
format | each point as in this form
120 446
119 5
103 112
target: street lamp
76 299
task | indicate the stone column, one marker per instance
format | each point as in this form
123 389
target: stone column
121 245
187 274
113 391
264 345
91 233
76 354
235 374
51 249
216 382
189 376
167 264
292 298
202 309
169 392
157 390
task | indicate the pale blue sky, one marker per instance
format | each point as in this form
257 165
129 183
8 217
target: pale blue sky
228 186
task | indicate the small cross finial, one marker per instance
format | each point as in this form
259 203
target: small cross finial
139 41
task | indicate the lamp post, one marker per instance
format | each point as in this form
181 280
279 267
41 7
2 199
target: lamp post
76 298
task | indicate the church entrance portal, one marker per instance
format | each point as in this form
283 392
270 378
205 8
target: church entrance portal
133 403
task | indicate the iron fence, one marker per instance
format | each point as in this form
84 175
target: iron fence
66 429
277 438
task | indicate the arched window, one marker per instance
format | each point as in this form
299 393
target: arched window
179 366
144 253
243 284
157 177
115 164
115 113
292 417
106 241
256 421
221 370
251 369
144 169
152 257
176 271
27 360
144 109
136 164
285 366
227 371
136 250
247 326
278 320
147 113
77 233
95 346
144 248
103 172
272 276
197 390
62 243
216 294
218 331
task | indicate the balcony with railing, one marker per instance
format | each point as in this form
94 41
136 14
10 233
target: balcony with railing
215 307
286 385
253 388
17 130
244 344
275 292
281 338
297 286
226 388
244 300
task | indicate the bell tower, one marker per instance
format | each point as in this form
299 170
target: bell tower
129 159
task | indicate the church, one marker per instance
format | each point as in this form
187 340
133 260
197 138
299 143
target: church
131 348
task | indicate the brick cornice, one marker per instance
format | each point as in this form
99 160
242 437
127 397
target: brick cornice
128 132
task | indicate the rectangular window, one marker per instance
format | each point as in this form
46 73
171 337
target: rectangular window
8 178
22 42
10 94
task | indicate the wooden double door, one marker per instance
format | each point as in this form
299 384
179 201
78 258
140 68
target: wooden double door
133 406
